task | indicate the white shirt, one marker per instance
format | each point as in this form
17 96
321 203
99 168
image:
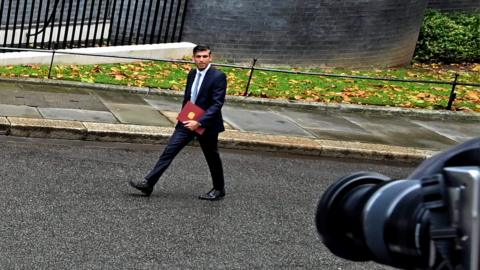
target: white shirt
203 72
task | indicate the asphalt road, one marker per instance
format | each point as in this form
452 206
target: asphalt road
66 205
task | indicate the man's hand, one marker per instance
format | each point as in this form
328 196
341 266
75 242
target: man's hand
191 124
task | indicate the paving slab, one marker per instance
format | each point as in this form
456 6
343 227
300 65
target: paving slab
330 126
4 126
46 128
51 99
355 136
261 121
74 101
459 132
319 119
131 108
138 114
400 131
162 103
120 97
11 96
19 111
171 116
78 115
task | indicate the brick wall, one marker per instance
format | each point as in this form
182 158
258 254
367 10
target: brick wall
330 33
455 5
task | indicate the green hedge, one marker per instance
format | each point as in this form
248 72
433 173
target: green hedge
449 37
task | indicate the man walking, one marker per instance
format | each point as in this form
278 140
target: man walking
206 88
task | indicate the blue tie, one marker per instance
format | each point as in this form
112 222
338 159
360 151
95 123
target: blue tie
195 87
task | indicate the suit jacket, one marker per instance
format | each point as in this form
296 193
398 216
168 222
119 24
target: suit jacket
210 98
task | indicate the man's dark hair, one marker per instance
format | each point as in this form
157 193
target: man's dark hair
201 48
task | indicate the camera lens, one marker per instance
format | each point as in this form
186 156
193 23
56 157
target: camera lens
365 216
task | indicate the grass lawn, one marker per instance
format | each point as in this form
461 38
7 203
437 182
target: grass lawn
289 86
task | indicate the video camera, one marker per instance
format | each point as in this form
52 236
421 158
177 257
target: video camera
430 220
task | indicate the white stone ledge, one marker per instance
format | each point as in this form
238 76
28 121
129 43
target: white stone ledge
156 51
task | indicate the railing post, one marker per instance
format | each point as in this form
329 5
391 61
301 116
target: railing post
250 77
453 95
51 64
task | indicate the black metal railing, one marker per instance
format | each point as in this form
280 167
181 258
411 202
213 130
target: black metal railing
60 24
451 98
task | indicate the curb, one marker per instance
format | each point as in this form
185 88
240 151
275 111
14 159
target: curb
90 131
337 107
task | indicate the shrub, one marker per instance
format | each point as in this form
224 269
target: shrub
449 37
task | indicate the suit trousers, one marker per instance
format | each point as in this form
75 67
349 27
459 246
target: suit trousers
180 138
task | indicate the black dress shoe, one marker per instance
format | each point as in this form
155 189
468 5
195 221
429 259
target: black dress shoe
213 195
143 186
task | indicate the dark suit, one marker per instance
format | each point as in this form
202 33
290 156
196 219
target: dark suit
211 97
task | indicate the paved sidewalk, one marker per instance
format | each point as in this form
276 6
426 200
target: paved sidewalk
58 109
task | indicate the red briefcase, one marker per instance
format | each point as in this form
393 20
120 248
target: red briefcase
191 112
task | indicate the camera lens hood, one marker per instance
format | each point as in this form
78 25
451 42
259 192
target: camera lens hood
332 226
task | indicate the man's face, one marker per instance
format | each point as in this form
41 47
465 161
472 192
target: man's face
202 59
